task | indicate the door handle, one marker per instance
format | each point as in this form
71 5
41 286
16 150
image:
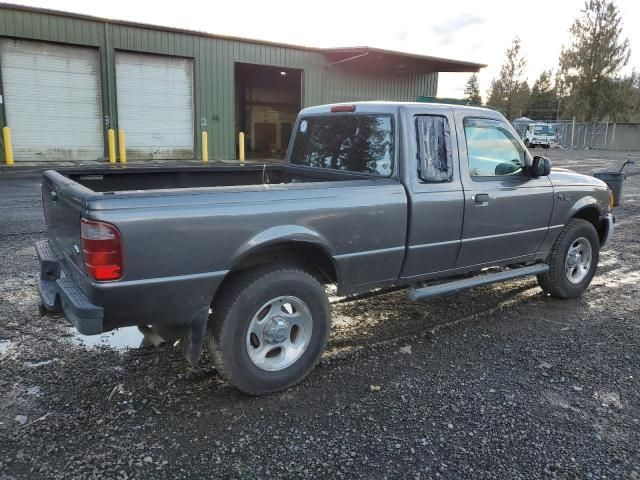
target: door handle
481 199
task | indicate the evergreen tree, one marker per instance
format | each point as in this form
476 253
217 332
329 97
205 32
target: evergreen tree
543 101
624 94
472 90
591 63
509 93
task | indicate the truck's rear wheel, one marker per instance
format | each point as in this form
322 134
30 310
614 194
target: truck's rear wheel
269 328
573 260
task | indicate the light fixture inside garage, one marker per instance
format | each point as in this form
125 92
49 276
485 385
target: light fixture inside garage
283 73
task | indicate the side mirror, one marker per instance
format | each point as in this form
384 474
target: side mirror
541 167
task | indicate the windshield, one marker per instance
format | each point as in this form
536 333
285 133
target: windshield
354 143
543 130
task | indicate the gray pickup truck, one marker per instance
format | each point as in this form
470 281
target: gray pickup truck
372 195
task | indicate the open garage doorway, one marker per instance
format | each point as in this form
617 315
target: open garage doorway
267 102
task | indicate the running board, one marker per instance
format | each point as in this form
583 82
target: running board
456 286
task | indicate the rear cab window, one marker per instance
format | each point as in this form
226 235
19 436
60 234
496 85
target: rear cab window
434 149
358 143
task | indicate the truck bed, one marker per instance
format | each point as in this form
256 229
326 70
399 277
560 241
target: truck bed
160 178
184 228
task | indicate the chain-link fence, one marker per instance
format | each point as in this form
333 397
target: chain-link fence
592 135
582 135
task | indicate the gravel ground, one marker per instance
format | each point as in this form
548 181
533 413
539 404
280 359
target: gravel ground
495 383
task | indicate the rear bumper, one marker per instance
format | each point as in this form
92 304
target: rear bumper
65 296
59 293
96 307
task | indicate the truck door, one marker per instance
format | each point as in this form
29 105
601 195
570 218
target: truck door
507 213
436 200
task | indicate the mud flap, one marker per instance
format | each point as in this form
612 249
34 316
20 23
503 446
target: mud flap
194 336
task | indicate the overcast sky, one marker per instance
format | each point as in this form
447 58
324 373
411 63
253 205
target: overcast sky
473 30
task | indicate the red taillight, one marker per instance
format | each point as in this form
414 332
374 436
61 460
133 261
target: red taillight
102 250
343 108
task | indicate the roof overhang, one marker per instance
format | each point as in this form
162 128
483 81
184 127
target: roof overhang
377 59
360 58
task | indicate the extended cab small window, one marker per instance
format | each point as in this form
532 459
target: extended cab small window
360 143
434 149
492 150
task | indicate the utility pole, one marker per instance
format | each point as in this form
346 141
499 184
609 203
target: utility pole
573 127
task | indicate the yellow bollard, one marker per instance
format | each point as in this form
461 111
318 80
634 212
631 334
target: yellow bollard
111 137
8 147
122 146
205 147
241 147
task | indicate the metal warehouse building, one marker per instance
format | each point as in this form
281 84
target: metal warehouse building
66 79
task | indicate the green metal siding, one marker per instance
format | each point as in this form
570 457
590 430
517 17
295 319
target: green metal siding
214 96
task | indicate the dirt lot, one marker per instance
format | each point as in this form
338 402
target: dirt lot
499 382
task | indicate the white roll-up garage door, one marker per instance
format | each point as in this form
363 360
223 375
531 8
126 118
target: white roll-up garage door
155 105
52 101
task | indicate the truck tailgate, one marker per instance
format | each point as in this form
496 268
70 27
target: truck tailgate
62 200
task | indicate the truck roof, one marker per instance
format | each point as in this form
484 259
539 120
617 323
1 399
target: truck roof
379 106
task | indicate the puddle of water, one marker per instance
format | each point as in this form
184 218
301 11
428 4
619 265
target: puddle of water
120 339
4 346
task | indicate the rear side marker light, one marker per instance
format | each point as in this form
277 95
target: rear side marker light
102 250
343 108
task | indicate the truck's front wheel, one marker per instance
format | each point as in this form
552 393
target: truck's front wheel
573 260
269 328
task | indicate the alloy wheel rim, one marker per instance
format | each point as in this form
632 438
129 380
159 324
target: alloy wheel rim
578 260
279 333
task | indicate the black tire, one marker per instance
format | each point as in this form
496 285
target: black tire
556 282
236 306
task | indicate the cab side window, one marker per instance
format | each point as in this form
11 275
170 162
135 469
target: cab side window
434 149
492 150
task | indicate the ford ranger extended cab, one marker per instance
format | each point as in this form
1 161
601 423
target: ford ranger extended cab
372 195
